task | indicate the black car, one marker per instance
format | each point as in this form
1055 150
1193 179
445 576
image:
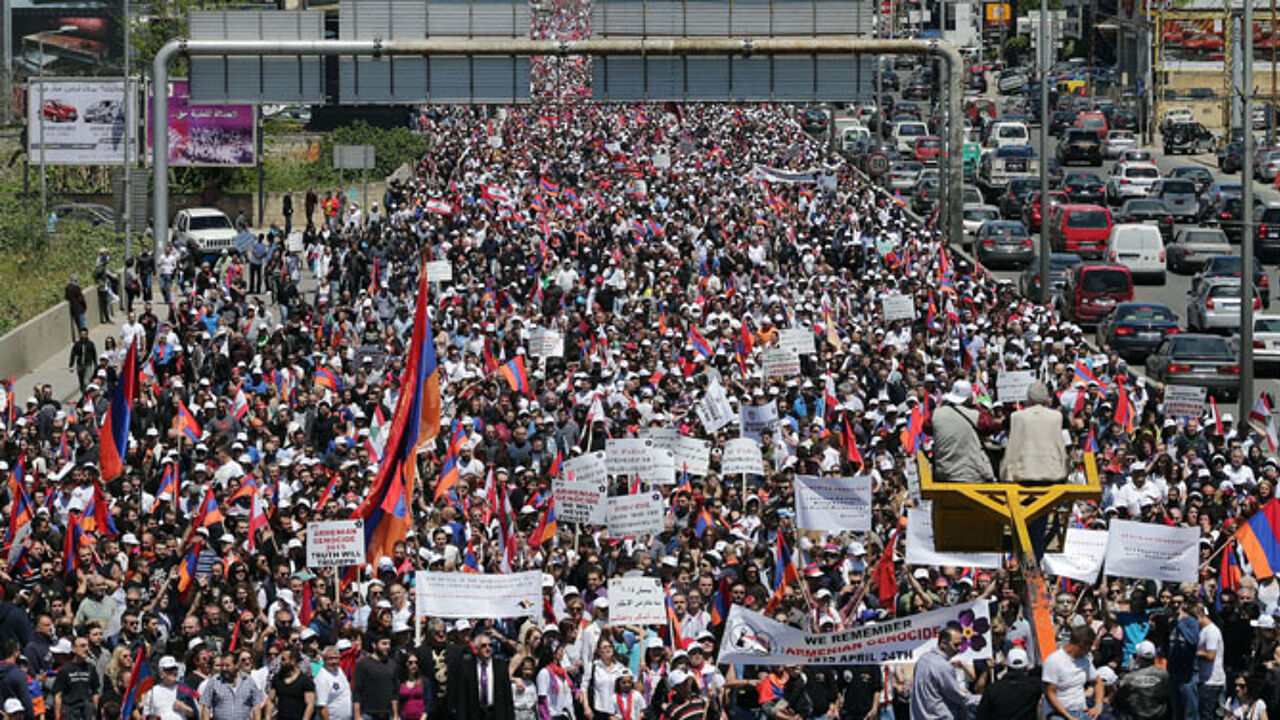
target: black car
889 82
978 82
1267 242
1228 213
1231 157
1197 174
813 120
1084 188
1124 119
1060 120
1229 266
1015 196
1190 138
917 89
1147 211
1136 328
926 195
1080 146
1060 265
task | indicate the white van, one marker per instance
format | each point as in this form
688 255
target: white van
905 135
1140 248
1004 134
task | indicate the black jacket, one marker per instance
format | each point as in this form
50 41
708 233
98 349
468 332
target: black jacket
1144 694
463 694
1016 696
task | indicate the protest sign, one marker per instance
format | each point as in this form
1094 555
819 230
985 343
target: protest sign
780 362
755 419
439 271
636 601
580 501
546 343
1011 385
662 437
476 595
742 456
628 456
1081 558
662 469
754 639
635 515
335 543
798 340
922 551
590 468
898 307
833 504
1184 401
714 410
692 455
1147 551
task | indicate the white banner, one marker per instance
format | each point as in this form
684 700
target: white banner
798 340
82 122
335 543
774 175
629 456
692 455
1146 551
754 639
662 470
546 343
636 601
755 419
636 515
1011 385
1081 558
922 551
580 501
439 271
714 410
898 307
742 456
1183 401
833 504
780 362
476 595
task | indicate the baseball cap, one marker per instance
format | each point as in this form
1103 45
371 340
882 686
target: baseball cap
13 706
1146 650
677 678
1018 659
168 662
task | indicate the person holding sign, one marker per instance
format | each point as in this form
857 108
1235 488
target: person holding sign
1035 452
958 454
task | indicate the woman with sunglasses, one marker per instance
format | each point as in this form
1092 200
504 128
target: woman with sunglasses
1245 702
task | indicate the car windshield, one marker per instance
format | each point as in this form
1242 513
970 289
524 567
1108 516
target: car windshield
1146 313
1092 123
1120 135
1081 135
981 214
1143 206
1141 172
1178 187
929 143
1105 280
1205 346
1063 262
1012 131
1225 265
1266 324
910 129
1087 220
210 222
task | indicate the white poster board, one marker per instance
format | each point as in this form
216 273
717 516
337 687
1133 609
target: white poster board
439 271
742 456
662 469
833 504
755 419
636 601
1011 385
898 307
692 455
477 595
714 410
629 456
1147 551
798 340
335 543
922 551
546 343
780 362
1183 401
635 515
580 501
1082 555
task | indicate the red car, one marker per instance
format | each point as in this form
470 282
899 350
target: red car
1092 290
1079 228
1031 211
57 112
928 149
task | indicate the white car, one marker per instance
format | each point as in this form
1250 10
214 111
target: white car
974 215
905 135
1131 180
206 231
1117 142
1266 338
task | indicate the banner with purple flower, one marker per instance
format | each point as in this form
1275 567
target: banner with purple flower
750 637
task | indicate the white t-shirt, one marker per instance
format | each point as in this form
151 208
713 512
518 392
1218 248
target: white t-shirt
1070 676
159 702
334 692
1211 672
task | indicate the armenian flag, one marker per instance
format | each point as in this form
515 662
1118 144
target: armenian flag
851 451
385 510
673 621
185 422
449 469
549 187
113 443
170 484
209 512
721 603
141 680
22 512
1125 413
784 573
885 575
187 570
1091 459
327 378
1083 372
1258 541
514 373
704 523
547 527
700 343
1229 574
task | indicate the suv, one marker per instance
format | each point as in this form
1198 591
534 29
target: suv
205 232
1130 181
1188 137
1080 145
1093 289
1266 243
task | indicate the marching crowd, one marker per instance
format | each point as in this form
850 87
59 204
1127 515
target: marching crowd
667 250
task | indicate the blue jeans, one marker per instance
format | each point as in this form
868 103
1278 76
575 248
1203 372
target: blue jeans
1186 701
1210 699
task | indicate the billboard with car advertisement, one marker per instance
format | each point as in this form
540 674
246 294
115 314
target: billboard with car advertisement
71 37
206 134
78 122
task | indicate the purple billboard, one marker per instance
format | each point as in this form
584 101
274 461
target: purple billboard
206 134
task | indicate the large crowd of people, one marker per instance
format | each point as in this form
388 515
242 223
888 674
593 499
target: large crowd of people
669 250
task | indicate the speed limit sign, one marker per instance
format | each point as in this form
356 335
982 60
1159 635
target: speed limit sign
878 164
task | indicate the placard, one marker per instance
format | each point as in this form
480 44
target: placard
579 501
714 410
477 595
662 437
636 601
1147 551
662 471
692 455
629 456
1082 555
635 515
546 343
921 549
335 543
589 468
898 307
439 271
780 362
1011 385
742 456
833 504
755 419
798 340
1183 401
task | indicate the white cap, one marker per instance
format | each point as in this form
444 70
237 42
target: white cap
168 662
12 706
343 644
307 634
677 678
1018 659
1107 676
62 647
1146 650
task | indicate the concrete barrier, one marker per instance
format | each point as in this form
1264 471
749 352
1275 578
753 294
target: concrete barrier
45 336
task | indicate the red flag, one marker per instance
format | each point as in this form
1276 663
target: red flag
851 445
886 576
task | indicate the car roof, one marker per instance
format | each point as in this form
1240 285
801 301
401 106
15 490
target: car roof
204 212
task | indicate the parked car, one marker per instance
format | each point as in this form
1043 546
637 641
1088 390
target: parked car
1011 81
814 120
1230 266
1139 248
1228 214
1015 195
974 216
1093 290
1215 305
1146 211
1060 265
903 176
90 213
1084 188
1003 242
1266 339
1179 198
1130 181
205 232
1060 120
1094 122
1206 361
1136 328
1230 157
1199 176
1193 246
926 195
928 149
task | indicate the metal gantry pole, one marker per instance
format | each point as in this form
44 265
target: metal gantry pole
127 165
1246 209
828 45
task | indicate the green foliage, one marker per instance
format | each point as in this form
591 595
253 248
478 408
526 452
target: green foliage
391 148
1016 47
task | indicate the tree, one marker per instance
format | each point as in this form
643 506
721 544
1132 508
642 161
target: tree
1015 47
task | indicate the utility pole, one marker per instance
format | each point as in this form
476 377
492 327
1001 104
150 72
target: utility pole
1043 62
1246 212
6 53
127 184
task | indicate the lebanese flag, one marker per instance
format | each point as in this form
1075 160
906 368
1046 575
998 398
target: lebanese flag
444 207
498 194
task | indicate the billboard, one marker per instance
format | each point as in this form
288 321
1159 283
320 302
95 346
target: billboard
206 134
79 122
997 15
65 37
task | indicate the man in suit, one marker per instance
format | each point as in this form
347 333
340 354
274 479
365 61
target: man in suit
479 686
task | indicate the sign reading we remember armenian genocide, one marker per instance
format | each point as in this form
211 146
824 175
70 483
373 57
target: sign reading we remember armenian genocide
335 543
752 638
475 595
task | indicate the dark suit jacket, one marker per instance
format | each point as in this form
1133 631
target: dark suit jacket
463 693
